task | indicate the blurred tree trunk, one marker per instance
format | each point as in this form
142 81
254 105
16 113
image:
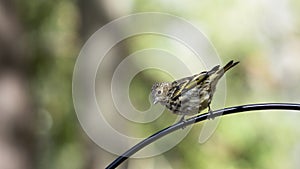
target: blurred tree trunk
17 138
93 17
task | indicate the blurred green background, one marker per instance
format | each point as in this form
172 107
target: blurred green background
41 39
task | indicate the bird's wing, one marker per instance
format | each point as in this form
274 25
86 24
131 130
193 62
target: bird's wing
183 85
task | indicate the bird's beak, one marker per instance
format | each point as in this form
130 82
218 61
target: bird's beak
155 101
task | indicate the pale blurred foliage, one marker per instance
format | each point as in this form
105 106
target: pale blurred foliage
262 35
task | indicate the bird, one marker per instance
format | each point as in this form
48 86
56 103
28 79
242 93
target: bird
190 95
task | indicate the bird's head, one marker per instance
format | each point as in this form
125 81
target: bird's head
159 92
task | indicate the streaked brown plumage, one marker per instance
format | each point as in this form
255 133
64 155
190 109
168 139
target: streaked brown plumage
190 95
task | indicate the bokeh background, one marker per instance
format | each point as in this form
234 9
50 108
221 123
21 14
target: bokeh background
41 39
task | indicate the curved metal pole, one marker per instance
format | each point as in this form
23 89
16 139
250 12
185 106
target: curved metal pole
199 118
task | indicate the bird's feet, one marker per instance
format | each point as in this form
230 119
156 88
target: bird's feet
210 116
182 120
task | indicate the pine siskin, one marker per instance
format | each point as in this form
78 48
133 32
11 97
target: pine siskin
190 95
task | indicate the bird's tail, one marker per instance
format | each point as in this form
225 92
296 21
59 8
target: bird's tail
228 66
216 73
220 71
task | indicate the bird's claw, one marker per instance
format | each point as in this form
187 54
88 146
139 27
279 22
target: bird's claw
210 116
182 120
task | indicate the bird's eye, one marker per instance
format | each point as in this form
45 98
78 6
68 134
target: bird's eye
159 92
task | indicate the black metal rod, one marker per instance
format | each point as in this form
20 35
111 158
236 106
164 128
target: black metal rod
199 118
